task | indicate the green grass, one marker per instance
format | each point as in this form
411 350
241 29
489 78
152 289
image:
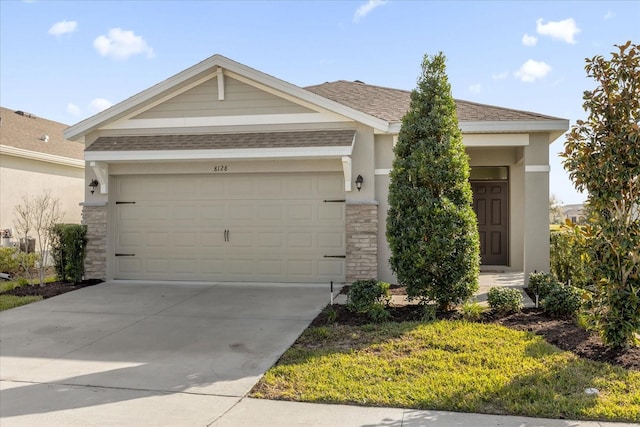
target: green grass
11 301
449 365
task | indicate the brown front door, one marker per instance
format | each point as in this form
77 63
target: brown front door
491 205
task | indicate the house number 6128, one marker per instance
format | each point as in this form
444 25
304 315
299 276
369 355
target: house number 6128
221 168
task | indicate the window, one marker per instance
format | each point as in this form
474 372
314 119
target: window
489 173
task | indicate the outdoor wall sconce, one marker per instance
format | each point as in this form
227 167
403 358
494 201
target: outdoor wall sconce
93 184
359 181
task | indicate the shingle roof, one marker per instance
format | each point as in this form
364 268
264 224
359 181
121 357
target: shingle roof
27 131
391 104
330 138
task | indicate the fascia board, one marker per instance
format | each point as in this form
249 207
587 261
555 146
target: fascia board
555 127
229 154
94 122
43 157
514 126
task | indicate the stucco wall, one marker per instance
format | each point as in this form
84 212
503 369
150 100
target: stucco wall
536 204
20 177
528 199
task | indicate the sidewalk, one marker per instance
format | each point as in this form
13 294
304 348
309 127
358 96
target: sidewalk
272 413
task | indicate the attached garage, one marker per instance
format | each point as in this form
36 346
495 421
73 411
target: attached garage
269 227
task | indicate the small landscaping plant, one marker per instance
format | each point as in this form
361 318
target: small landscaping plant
370 297
542 283
472 311
562 301
17 263
505 300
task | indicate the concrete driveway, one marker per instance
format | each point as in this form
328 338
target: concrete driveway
145 354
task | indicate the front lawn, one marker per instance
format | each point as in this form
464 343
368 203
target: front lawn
12 301
21 292
450 365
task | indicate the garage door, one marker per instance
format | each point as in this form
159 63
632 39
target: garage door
231 227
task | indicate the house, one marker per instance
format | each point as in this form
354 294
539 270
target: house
35 157
225 173
575 213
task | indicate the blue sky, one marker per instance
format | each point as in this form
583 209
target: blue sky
65 61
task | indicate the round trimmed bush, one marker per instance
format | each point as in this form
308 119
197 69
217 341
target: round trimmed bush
368 296
562 301
505 300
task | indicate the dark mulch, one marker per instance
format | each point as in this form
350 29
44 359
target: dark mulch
566 335
49 290
562 333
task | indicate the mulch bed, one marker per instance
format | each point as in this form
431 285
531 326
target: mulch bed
562 333
49 290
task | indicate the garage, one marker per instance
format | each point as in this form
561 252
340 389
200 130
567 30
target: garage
261 227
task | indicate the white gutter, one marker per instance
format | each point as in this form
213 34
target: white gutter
43 157
216 154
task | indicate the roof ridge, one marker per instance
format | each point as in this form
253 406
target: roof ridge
361 83
479 104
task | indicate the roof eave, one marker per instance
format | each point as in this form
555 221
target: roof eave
555 127
42 157
291 153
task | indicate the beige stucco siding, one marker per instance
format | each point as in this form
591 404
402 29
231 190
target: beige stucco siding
536 204
24 177
239 99
528 196
362 164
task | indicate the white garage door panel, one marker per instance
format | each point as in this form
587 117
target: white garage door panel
261 227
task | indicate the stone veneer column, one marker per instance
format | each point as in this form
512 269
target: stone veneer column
95 263
362 241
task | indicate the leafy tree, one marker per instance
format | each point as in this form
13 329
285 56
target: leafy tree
431 227
602 155
556 215
38 214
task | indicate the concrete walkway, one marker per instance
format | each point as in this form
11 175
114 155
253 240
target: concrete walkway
507 280
269 413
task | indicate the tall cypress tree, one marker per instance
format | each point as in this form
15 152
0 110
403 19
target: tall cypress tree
431 227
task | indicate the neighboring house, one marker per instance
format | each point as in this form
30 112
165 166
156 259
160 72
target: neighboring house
574 212
35 157
224 173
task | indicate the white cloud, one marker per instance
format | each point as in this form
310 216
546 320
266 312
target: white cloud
560 30
609 15
532 70
500 76
63 27
121 44
99 104
73 109
475 88
528 40
367 8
